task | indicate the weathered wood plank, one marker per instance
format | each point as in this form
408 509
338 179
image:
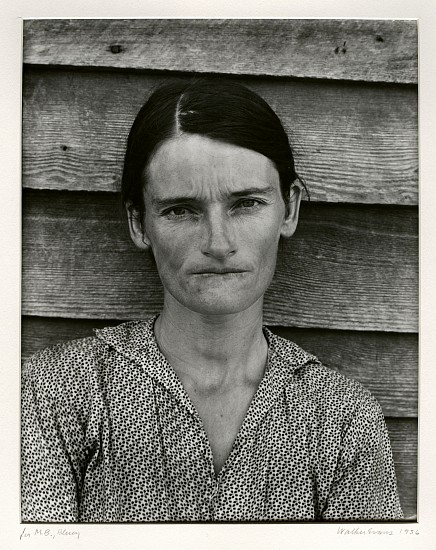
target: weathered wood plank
371 50
385 363
404 441
347 267
353 143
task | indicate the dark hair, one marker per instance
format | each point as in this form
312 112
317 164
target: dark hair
217 109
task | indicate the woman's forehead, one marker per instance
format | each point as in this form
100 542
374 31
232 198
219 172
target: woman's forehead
189 162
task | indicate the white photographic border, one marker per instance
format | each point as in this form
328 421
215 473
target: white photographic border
208 536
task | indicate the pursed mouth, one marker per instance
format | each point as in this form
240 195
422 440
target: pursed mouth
220 272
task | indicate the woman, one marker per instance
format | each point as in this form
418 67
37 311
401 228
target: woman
201 414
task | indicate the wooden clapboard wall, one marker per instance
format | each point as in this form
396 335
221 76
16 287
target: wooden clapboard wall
346 284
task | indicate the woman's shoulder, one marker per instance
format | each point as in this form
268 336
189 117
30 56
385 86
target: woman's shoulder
78 359
324 387
63 353
65 364
334 393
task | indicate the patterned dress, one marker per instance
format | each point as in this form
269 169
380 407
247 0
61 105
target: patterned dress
110 435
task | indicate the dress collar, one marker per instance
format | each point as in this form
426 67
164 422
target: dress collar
136 341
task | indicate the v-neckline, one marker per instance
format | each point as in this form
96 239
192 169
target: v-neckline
263 398
140 345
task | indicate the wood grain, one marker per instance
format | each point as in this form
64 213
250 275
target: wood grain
368 50
404 442
385 363
347 267
353 143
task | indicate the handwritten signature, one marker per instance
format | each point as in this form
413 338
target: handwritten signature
375 531
48 533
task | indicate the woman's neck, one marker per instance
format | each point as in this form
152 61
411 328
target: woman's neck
213 350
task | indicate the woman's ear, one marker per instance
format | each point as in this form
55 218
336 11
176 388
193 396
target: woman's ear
291 219
136 227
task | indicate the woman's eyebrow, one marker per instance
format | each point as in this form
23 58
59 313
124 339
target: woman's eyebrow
171 201
253 191
183 199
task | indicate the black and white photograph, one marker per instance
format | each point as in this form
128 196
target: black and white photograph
219 288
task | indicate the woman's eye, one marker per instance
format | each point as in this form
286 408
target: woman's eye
180 213
247 203
177 212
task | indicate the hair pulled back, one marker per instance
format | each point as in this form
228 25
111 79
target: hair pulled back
217 109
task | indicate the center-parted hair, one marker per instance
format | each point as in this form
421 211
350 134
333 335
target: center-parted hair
217 109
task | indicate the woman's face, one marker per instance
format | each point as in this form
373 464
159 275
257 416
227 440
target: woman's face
214 214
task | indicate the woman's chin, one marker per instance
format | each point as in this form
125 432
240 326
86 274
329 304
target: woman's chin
230 304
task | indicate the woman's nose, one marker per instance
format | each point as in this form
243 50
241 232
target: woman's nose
218 240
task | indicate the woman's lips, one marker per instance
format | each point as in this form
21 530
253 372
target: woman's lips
219 271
